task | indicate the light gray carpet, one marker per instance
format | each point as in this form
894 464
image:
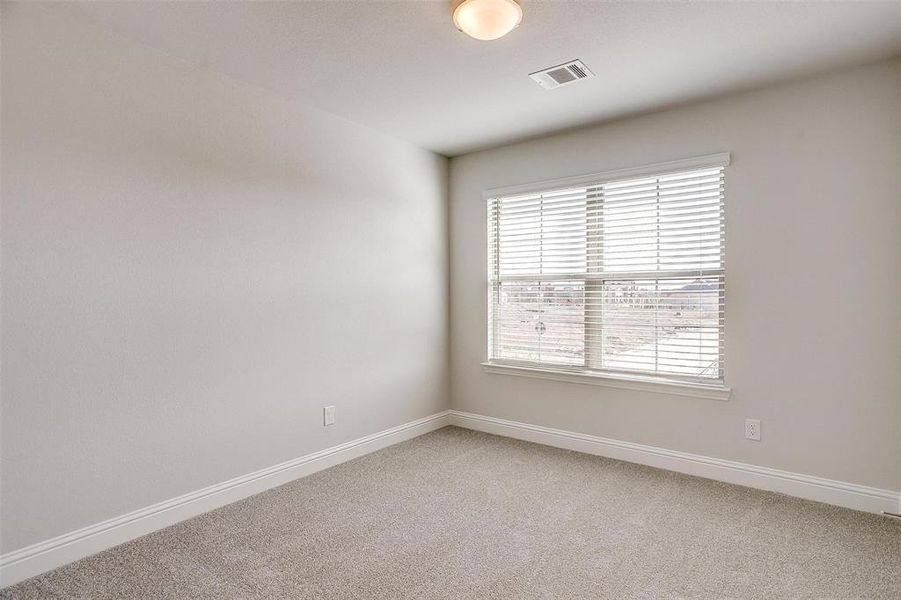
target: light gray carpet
460 514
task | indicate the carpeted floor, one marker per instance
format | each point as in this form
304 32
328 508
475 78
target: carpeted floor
460 514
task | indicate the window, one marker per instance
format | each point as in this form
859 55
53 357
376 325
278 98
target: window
620 274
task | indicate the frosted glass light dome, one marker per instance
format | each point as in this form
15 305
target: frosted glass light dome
487 19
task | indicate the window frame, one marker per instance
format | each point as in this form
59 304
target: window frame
699 387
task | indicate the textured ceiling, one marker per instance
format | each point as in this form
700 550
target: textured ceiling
401 67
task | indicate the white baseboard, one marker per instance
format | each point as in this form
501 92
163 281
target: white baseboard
44 556
839 493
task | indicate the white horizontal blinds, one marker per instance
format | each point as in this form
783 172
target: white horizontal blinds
624 275
537 263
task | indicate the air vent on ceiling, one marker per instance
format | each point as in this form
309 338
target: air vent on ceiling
574 70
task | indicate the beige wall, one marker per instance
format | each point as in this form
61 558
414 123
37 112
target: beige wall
813 294
192 268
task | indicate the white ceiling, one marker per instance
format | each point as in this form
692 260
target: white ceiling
401 67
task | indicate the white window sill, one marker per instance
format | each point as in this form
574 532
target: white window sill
627 382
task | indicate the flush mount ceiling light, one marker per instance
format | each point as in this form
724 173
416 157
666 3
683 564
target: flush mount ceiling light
487 19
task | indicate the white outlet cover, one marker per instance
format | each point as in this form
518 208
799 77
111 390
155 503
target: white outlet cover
328 415
752 429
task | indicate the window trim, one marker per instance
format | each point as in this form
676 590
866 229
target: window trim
642 383
648 383
721 159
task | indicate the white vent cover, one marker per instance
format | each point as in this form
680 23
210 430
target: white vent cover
552 77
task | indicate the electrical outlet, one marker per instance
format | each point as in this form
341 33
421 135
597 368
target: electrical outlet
328 415
752 429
